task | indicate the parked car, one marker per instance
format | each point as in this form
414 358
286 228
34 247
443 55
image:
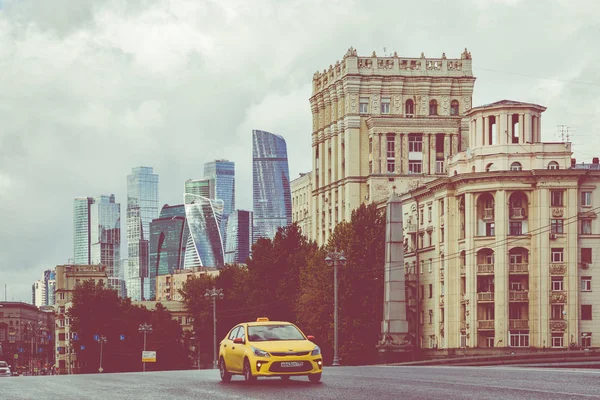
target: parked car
4 369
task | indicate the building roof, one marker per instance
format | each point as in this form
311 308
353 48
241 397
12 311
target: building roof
507 103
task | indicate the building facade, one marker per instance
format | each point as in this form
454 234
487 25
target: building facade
500 252
169 285
26 336
67 278
271 184
221 174
199 187
81 230
38 293
238 245
301 201
142 208
383 123
105 242
204 247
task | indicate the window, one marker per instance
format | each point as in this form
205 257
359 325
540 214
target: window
514 312
553 165
363 105
421 217
433 107
409 108
489 229
385 105
586 255
586 226
586 283
586 339
439 166
488 167
463 340
557 339
414 167
431 316
519 339
442 207
430 265
454 107
557 312
516 286
586 312
430 292
556 255
515 228
370 167
429 213
557 283
515 258
556 198
441 235
391 154
516 166
422 317
556 226
586 199
371 144
415 144
391 166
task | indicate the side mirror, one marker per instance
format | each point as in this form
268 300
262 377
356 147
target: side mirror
310 337
238 340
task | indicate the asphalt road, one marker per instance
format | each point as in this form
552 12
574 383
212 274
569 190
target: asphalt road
371 382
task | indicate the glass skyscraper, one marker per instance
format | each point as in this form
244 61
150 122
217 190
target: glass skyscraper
105 232
142 208
81 230
199 187
204 247
239 237
221 174
271 184
169 234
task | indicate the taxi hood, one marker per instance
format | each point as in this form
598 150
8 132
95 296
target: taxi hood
284 345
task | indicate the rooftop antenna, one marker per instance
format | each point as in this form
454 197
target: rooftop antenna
563 133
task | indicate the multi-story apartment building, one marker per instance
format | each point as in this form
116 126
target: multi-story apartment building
301 202
168 285
67 278
501 251
25 336
142 208
271 195
380 123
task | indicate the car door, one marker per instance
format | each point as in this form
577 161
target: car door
237 350
226 346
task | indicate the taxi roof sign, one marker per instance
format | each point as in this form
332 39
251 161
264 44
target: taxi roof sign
262 319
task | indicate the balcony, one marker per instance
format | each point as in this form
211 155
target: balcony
518 324
557 325
488 214
558 269
558 297
485 325
410 277
485 297
518 268
517 213
411 228
485 269
518 296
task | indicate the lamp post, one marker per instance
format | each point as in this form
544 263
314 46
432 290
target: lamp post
145 329
102 340
214 293
335 258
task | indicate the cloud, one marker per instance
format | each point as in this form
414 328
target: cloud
104 85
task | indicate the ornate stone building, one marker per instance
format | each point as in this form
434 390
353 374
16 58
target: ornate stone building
379 123
301 202
501 251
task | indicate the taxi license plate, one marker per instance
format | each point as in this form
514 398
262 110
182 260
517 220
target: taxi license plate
291 364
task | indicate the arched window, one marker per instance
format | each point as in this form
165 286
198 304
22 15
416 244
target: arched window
516 166
473 169
489 167
409 108
553 165
454 107
433 107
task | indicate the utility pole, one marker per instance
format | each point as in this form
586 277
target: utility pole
145 329
214 293
102 340
335 258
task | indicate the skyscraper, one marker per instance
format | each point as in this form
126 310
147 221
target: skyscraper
199 187
239 237
221 174
81 230
38 293
105 232
204 247
271 184
168 238
142 208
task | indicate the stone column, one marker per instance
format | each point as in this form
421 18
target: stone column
486 131
399 149
334 158
528 129
521 128
471 268
426 157
534 130
326 161
455 139
501 287
405 153
383 152
479 134
376 153
321 164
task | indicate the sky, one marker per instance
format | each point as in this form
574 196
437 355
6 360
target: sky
91 88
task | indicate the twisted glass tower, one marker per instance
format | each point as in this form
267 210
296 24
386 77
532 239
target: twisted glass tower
204 246
221 174
271 184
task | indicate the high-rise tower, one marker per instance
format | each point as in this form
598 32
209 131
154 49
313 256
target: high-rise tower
221 174
81 230
271 184
105 233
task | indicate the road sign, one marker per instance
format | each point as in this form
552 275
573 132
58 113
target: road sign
16 356
96 337
122 337
83 347
148 356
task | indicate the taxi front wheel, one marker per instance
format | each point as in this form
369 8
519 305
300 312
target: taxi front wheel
248 377
314 378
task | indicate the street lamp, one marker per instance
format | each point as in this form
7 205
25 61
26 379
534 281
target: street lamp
335 258
102 340
145 329
214 293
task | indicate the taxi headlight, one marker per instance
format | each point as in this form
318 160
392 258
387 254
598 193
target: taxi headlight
259 352
316 351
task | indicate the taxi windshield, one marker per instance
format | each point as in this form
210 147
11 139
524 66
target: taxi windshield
263 333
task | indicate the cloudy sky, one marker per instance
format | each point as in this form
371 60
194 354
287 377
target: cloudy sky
91 88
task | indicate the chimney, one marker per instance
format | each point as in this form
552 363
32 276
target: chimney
595 160
573 162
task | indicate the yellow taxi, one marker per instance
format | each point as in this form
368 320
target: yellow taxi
269 348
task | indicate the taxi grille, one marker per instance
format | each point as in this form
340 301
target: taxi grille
291 353
304 367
